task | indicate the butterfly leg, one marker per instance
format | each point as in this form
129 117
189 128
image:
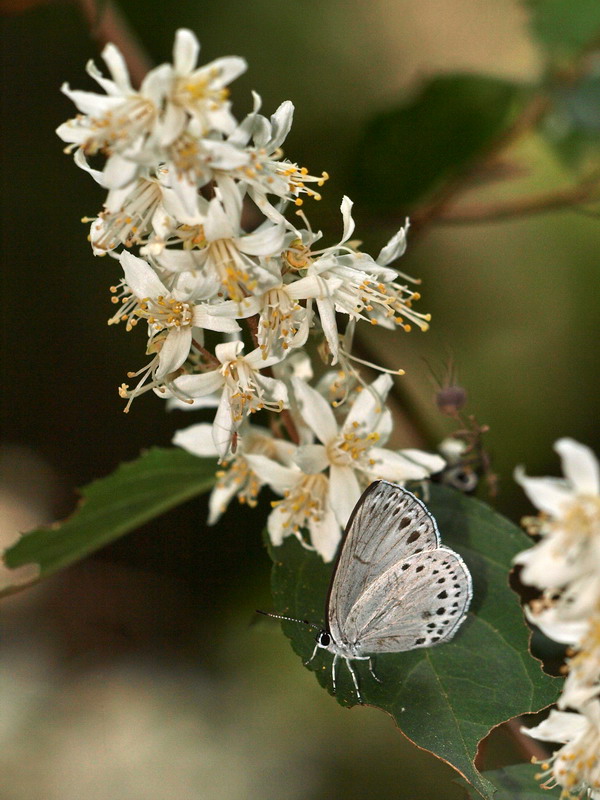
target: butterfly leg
354 681
314 653
335 660
372 672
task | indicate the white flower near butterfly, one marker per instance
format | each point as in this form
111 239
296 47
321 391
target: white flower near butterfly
237 478
324 486
243 390
575 767
565 563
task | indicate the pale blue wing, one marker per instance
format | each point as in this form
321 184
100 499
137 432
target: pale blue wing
418 602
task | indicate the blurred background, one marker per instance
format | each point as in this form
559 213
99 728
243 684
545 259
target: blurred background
140 672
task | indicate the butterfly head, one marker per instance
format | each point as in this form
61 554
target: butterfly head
324 640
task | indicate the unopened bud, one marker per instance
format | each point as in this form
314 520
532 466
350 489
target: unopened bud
451 399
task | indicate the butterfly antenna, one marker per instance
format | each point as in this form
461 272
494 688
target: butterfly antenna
289 619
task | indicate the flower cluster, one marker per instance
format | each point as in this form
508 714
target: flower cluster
565 565
203 198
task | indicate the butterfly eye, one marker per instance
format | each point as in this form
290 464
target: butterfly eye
324 639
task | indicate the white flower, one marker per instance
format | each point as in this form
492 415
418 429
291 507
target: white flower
575 767
171 319
201 91
355 284
283 322
266 173
583 679
243 390
129 213
225 250
321 502
120 123
237 478
178 116
569 549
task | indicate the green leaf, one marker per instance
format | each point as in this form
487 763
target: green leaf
565 27
447 698
409 152
517 782
111 507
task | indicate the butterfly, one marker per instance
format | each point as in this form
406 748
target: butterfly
394 587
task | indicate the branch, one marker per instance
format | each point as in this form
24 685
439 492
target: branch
584 192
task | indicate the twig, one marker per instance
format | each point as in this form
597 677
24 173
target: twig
556 200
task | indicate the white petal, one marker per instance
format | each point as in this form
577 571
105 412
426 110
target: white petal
81 161
115 62
220 497
175 350
329 325
275 391
217 224
276 475
172 124
277 527
344 492
316 411
213 322
563 631
430 461
369 404
200 385
157 84
325 535
311 458
90 103
196 439
140 277
228 351
221 71
266 241
395 466
119 171
346 209
223 425
580 466
185 51
395 247
281 123
560 726
548 494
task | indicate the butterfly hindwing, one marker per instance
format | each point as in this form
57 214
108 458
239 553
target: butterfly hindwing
418 602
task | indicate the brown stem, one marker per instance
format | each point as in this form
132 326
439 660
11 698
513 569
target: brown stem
107 24
210 358
585 191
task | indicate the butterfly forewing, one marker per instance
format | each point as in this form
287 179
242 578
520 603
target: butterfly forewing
417 602
389 526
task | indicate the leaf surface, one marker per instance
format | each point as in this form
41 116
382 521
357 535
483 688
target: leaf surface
412 150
